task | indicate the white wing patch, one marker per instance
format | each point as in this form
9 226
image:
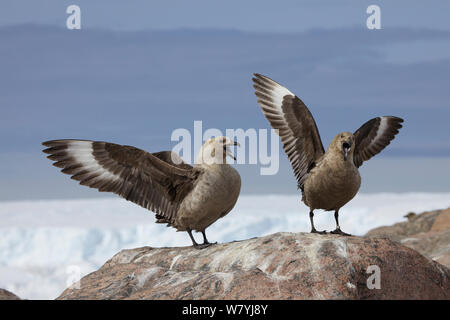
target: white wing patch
277 94
381 129
82 153
373 136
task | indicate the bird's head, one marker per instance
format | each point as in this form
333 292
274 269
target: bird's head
344 143
215 150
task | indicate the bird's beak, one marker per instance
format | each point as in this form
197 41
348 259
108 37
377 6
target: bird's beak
228 152
346 147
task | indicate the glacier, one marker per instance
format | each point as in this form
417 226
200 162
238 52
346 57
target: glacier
47 245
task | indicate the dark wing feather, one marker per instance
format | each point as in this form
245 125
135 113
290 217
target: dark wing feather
374 136
172 158
154 182
296 126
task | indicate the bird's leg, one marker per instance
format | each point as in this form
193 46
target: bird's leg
205 241
338 228
313 230
195 244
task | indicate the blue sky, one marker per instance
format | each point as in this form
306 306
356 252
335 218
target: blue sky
251 15
138 70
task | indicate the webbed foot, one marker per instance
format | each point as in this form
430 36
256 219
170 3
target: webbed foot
319 232
340 232
203 245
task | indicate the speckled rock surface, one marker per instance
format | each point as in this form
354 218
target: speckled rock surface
277 266
6 295
428 233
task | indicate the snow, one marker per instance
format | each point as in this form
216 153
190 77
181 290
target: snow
47 245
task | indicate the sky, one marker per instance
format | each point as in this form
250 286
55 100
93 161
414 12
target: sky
138 70
284 16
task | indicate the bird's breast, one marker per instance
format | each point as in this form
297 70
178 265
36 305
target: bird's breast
331 185
213 196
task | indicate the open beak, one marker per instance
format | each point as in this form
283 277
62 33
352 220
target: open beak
227 151
346 147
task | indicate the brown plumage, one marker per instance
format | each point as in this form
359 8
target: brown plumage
328 180
183 196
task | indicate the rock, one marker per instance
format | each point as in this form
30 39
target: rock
6 295
277 266
428 233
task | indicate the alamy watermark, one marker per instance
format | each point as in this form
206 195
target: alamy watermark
374 280
374 20
256 146
74 20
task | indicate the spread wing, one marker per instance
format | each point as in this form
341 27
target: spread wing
374 136
297 128
157 182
